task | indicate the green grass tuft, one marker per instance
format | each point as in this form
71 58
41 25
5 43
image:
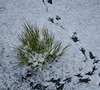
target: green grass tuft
36 48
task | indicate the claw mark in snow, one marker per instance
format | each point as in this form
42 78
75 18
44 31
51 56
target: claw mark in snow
45 5
83 51
91 55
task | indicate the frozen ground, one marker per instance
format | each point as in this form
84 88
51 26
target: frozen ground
72 21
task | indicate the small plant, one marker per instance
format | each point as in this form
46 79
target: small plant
36 48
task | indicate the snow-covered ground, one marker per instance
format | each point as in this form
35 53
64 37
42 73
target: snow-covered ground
74 22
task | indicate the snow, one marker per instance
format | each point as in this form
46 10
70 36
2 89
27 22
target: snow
72 71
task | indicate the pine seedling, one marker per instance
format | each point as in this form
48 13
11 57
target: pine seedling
37 49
